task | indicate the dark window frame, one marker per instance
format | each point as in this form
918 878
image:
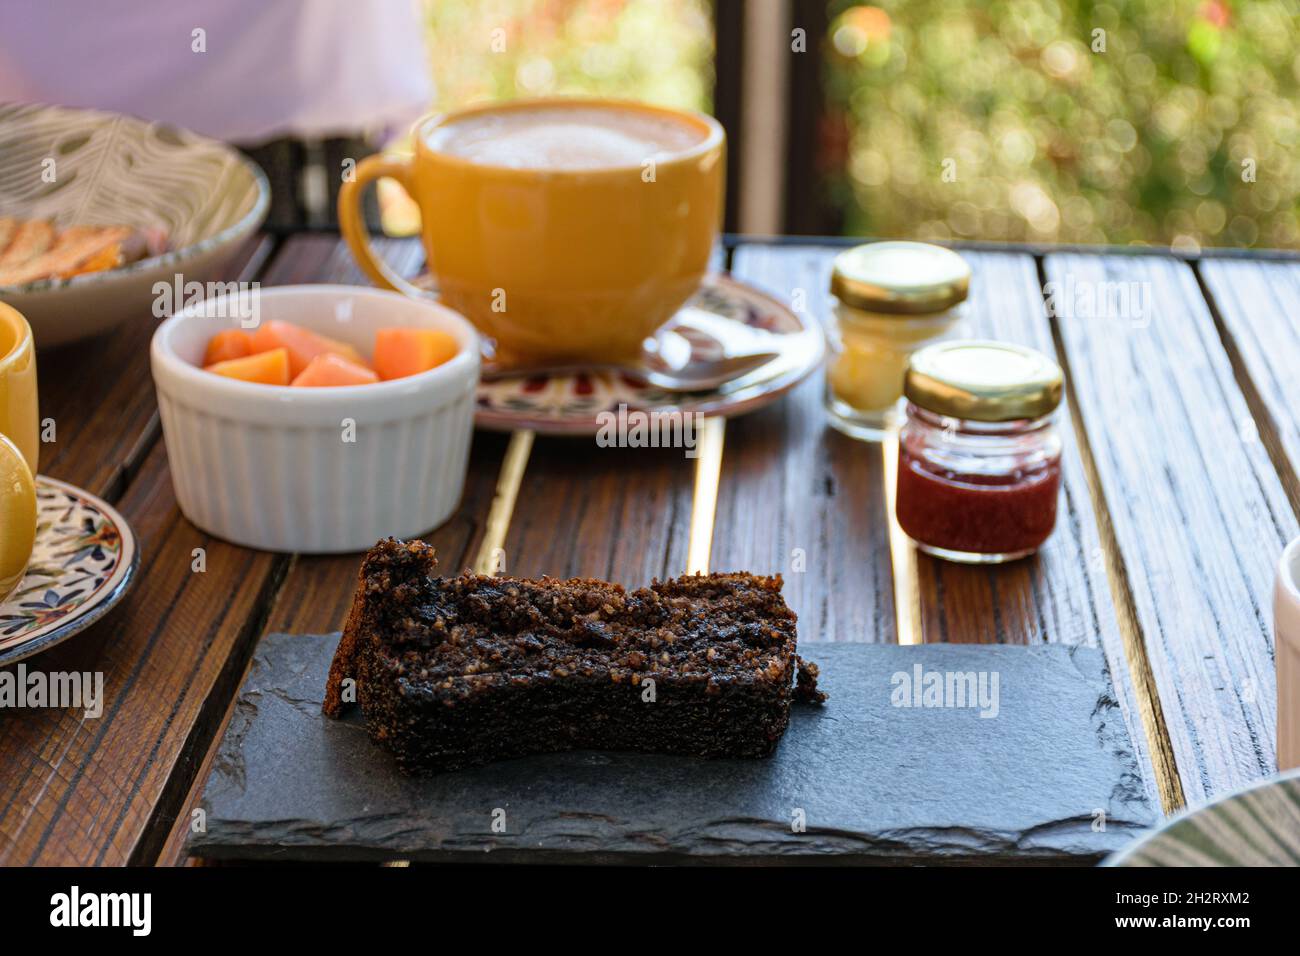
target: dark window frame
804 209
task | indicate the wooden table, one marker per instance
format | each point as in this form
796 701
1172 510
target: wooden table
1182 454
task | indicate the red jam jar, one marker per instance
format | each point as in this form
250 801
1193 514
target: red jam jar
979 458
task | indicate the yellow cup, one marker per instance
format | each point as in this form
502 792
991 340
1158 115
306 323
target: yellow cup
556 264
19 447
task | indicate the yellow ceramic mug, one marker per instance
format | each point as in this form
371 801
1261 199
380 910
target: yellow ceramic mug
19 447
577 259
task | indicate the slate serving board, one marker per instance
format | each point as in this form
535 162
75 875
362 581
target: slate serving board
1051 777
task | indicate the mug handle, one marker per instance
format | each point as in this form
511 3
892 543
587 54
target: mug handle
353 224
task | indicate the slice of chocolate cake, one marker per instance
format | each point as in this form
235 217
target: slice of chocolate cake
452 672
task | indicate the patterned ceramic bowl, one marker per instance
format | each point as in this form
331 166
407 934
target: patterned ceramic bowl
84 167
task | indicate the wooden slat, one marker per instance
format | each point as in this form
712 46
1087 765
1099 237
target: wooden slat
324 258
1259 306
794 492
80 791
622 514
1196 510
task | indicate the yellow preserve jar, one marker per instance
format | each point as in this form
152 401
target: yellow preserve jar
891 299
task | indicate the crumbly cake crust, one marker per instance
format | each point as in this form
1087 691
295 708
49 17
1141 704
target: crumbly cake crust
458 671
806 690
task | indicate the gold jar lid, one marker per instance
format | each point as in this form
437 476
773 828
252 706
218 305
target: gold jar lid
983 381
907 278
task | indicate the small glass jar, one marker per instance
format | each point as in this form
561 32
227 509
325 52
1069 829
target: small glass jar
892 298
979 457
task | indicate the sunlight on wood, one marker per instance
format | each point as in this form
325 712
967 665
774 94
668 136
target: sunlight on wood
907 594
708 468
503 503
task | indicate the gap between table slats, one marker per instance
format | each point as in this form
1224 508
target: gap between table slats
1256 307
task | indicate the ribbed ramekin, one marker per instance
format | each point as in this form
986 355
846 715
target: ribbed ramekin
315 470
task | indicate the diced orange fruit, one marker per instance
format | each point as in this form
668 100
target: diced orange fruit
265 368
328 369
227 345
400 352
302 344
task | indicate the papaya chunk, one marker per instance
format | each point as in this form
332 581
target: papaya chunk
227 345
328 369
264 368
302 344
402 351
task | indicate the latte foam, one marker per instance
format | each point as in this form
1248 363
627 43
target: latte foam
565 137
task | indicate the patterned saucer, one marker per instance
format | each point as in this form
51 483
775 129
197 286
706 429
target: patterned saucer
83 564
568 404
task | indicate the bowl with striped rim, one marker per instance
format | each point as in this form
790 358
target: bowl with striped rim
92 168
1257 826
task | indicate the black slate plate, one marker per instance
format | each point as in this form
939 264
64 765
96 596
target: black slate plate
1050 777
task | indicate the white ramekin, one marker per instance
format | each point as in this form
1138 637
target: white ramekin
272 468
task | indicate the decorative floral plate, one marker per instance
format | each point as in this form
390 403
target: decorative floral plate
1258 826
83 563
568 404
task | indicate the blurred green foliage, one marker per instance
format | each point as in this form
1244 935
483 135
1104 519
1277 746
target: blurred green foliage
1126 121
660 51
